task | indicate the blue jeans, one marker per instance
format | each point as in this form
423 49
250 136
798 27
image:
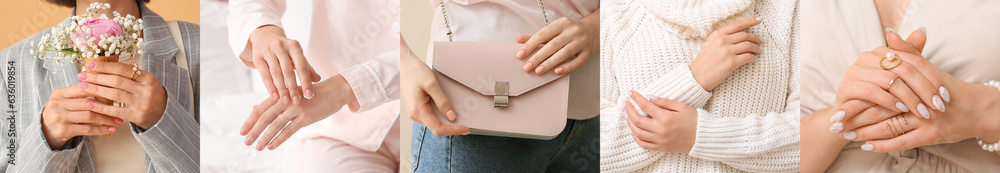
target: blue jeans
576 149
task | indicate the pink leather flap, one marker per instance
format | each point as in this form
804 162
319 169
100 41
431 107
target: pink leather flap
459 61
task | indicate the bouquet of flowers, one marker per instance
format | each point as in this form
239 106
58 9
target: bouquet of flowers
92 37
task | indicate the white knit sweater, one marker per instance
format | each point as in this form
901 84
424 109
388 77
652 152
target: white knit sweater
750 122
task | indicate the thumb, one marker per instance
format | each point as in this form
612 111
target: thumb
441 101
895 42
313 75
918 38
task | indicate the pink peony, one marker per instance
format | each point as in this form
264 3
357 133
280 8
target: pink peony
100 26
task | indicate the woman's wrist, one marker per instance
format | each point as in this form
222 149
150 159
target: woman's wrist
335 90
989 99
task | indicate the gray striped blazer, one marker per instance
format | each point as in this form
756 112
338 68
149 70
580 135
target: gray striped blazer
172 145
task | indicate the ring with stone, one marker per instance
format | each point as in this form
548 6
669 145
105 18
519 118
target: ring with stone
893 58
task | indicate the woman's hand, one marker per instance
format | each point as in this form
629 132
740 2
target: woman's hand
289 118
278 59
862 94
143 97
66 116
419 87
563 39
725 50
971 114
670 127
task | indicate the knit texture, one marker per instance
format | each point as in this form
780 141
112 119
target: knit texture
749 123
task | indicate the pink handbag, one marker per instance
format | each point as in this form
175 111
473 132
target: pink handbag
493 96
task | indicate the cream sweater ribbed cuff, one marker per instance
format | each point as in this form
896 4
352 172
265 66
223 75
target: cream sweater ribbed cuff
679 85
741 142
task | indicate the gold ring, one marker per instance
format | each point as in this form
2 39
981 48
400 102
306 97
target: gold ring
135 72
895 132
890 83
887 126
901 130
892 58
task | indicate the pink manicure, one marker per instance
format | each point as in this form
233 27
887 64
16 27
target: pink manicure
84 85
82 76
90 65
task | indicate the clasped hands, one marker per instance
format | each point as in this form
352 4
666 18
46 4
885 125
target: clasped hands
895 99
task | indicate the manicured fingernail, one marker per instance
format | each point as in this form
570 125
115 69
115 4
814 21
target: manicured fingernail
924 29
90 65
651 97
540 69
944 94
247 141
867 147
260 146
559 70
759 19
520 54
309 94
851 135
902 107
243 131
119 120
466 133
112 129
938 103
275 95
285 99
837 127
451 115
296 100
890 30
84 85
923 111
270 147
527 66
82 76
838 116
90 106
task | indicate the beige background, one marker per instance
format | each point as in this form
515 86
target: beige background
415 24
23 18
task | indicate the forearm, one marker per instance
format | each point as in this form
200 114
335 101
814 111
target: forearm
819 147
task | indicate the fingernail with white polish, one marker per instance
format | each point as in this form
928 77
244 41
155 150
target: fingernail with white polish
851 135
839 116
837 127
759 19
923 29
651 97
902 107
888 30
923 111
867 147
944 94
938 103
309 94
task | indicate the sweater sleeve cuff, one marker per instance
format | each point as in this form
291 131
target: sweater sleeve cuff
715 136
679 85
